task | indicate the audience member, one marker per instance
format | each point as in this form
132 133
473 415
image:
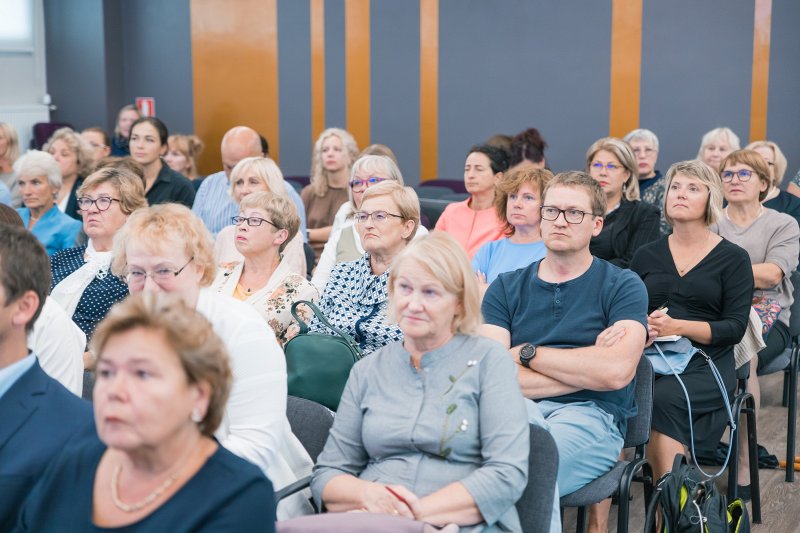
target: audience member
75 159
699 286
377 149
501 140
166 248
334 154
254 174
98 139
122 132
213 204
355 297
263 278
5 195
518 203
39 180
82 282
628 222
182 154
344 243
163 382
777 199
644 144
9 152
793 186
467 462
474 221
39 416
576 325
148 144
716 145
527 150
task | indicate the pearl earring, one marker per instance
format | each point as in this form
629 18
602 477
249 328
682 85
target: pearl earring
196 416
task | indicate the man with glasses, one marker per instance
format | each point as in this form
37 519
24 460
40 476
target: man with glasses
651 182
576 325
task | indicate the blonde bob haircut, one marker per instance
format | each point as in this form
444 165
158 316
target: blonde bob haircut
166 226
128 185
262 167
706 175
200 352
404 198
780 164
279 209
319 176
441 256
511 183
624 154
374 164
76 143
723 134
12 142
754 160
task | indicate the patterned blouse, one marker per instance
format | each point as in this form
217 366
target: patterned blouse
355 301
654 195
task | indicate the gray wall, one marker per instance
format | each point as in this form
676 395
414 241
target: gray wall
22 74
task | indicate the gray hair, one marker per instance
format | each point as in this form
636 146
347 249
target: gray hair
719 133
37 163
642 134
375 163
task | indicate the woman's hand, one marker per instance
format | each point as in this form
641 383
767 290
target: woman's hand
610 336
377 498
659 324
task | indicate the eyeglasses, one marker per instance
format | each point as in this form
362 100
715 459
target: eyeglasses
644 151
360 184
103 203
137 278
253 221
378 217
611 167
744 175
572 216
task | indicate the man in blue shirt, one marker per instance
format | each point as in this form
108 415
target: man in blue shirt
577 327
38 416
212 202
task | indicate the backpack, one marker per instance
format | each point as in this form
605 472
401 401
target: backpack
690 502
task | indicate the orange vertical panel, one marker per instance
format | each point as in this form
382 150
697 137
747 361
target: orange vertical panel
760 88
626 65
429 88
357 71
317 68
234 72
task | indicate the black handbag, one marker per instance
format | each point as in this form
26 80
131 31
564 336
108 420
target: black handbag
318 364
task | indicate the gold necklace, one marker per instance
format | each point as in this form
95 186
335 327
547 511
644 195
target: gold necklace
150 498
681 271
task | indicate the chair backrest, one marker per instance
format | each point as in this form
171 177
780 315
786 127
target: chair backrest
794 319
453 185
639 426
433 209
42 131
310 422
535 507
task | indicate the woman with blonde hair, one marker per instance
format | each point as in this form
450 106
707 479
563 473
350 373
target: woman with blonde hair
628 223
251 175
9 152
122 130
75 158
334 153
182 154
454 391
777 199
716 145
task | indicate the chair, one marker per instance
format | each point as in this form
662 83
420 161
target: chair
744 404
537 499
42 131
433 209
310 423
298 181
311 259
453 185
618 480
432 191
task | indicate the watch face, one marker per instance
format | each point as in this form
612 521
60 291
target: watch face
527 351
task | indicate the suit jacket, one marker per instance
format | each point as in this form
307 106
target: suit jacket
38 418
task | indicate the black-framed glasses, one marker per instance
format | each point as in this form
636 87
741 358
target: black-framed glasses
572 216
744 175
103 203
378 217
370 181
253 221
136 278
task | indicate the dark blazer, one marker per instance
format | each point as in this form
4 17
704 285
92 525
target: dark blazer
38 418
71 208
631 225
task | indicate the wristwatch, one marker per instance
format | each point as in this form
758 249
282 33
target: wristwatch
526 354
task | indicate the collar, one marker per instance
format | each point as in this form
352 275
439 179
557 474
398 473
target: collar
11 374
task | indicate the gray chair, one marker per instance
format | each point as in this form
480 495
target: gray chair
537 499
432 191
618 480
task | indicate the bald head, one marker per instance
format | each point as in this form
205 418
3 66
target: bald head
238 143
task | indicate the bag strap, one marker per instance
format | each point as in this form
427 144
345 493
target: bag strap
304 328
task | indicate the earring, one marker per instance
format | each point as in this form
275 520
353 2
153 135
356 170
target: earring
196 416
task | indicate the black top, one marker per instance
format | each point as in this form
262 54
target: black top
99 295
72 202
785 202
226 494
625 230
170 186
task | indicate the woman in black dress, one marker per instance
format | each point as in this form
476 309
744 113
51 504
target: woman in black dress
705 284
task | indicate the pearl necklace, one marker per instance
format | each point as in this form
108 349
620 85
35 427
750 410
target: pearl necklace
150 498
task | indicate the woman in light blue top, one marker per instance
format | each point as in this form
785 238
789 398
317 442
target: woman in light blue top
39 180
518 201
432 427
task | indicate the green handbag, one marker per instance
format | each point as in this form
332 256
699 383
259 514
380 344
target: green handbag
319 364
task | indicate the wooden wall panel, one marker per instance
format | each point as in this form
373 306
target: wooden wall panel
317 68
235 72
762 25
357 71
429 88
626 65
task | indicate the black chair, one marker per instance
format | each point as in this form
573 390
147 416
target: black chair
536 502
744 404
453 185
310 259
618 480
432 191
433 209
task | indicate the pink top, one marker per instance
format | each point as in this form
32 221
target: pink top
472 229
